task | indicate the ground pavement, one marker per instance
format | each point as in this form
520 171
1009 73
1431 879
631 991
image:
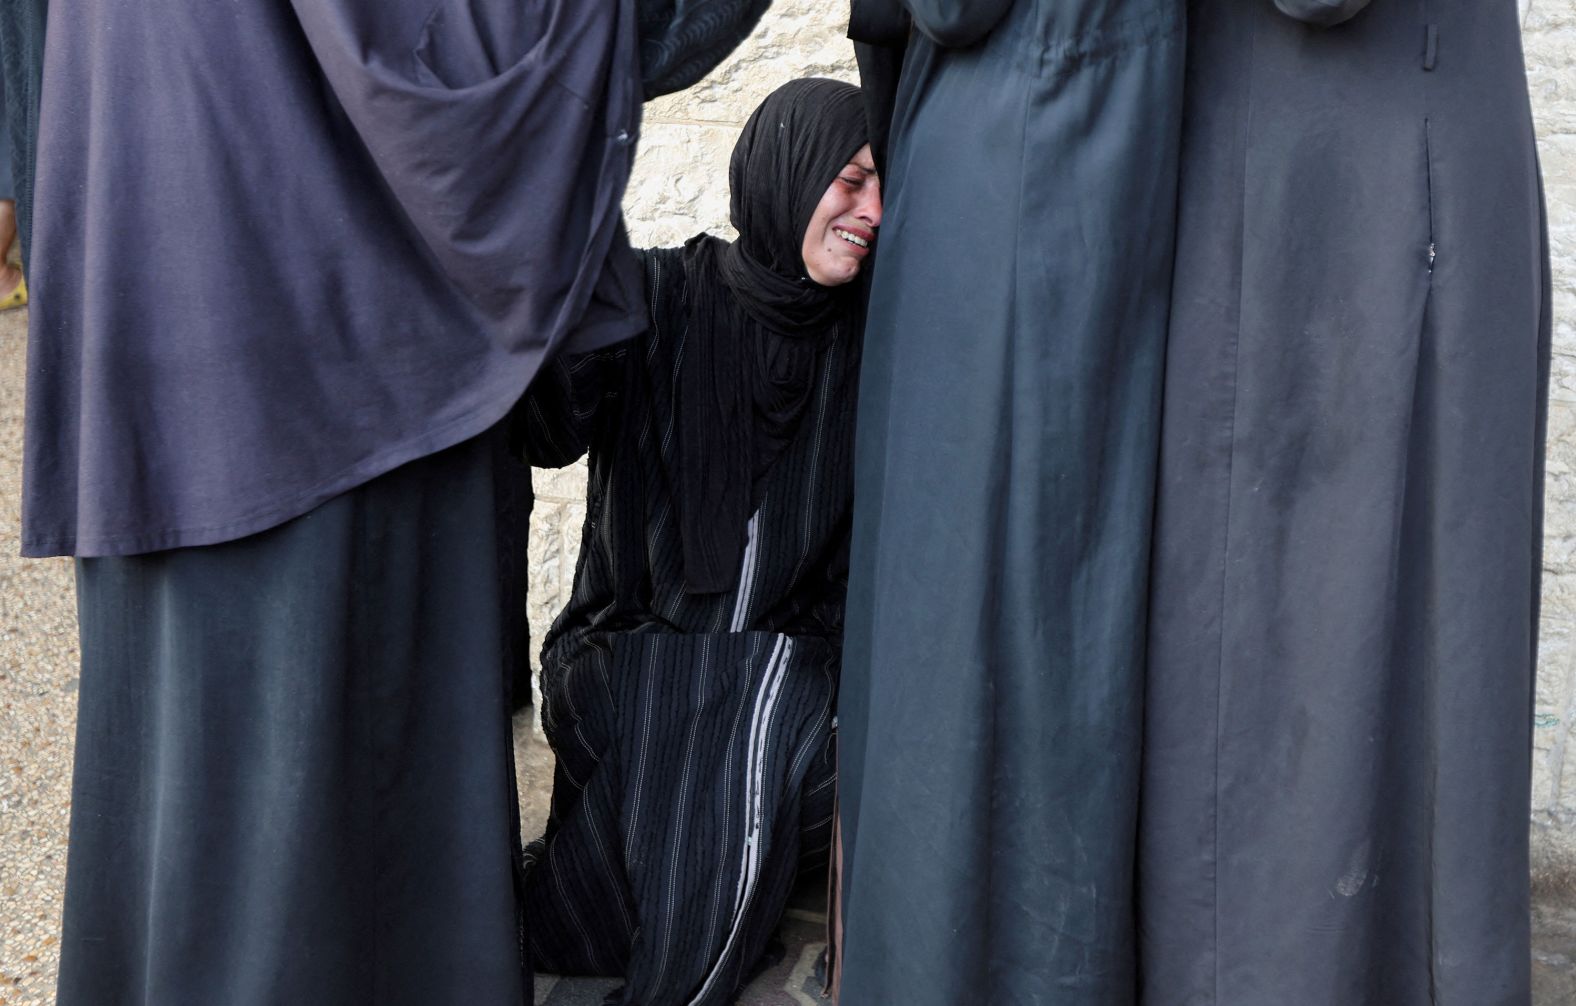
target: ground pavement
38 683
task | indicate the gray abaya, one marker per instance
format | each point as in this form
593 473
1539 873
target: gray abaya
1345 584
293 779
1009 408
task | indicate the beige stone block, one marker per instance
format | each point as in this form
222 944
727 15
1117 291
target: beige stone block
546 547
558 485
544 540
1553 852
1554 716
680 184
1556 687
1550 48
1557 155
1542 781
1558 796
1559 501
1544 16
554 549
1562 368
1559 592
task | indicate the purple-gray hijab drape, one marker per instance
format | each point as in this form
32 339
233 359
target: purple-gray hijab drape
282 249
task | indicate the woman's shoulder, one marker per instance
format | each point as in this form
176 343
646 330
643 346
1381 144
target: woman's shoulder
671 273
674 264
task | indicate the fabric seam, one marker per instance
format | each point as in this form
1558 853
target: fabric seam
1225 563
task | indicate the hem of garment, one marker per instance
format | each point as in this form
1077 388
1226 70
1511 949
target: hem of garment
472 424
604 334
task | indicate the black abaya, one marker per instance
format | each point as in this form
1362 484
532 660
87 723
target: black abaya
1345 592
1009 409
688 686
693 730
293 777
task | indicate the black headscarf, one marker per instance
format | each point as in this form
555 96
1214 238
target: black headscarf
758 322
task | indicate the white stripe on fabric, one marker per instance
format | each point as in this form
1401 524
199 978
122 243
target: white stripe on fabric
732 747
766 701
741 603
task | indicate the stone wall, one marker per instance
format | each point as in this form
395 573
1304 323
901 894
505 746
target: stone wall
680 188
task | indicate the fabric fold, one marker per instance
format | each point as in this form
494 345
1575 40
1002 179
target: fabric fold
467 120
362 226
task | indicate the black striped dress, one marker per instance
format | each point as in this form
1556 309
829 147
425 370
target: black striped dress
693 732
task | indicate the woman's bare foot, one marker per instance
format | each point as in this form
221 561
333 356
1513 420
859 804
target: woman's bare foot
10 279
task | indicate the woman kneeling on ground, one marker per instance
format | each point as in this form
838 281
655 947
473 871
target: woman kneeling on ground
689 686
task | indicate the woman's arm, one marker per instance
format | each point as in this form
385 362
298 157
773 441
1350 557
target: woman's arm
572 397
1321 12
957 23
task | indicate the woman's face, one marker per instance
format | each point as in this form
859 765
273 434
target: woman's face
844 225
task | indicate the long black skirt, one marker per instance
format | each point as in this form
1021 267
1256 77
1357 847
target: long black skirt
294 772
